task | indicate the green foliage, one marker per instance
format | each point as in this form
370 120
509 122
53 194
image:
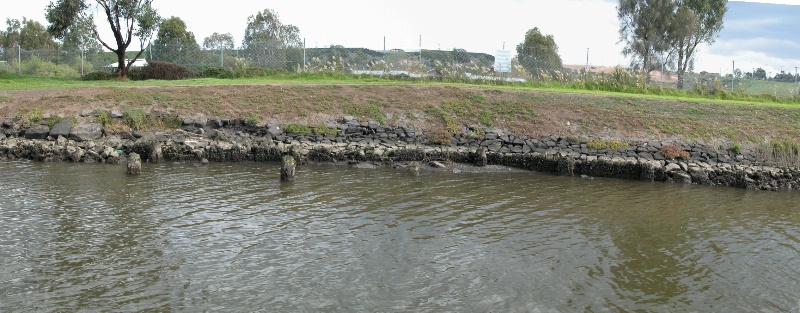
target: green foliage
487 118
102 117
253 119
34 116
161 71
538 52
736 148
29 34
217 72
644 28
174 43
265 32
673 151
52 120
126 19
325 130
36 67
135 118
219 41
297 129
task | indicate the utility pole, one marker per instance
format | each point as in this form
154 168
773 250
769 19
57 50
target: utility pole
420 49
586 69
733 76
795 82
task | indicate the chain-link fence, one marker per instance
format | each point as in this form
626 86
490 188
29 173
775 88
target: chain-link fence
538 67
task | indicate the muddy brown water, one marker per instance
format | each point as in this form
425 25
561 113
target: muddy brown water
232 238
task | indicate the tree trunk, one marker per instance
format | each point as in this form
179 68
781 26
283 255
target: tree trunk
122 66
681 68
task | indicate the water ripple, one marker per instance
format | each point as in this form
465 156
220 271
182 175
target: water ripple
231 237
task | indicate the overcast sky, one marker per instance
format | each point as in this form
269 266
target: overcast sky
755 34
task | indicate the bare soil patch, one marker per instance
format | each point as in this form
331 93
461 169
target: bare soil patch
526 112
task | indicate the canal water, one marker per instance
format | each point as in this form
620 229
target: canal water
230 237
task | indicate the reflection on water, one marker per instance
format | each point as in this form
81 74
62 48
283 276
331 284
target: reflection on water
231 237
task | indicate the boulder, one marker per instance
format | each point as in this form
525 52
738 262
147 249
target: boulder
61 129
37 132
85 132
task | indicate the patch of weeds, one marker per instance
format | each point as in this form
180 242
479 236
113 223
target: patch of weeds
451 123
600 144
736 148
102 117
487 118
170 121
440 136
297 129
476 97
673 152
325 130
52 120
372 111
5 99
779 152
459 108
135 118
573 139
34 116
253 119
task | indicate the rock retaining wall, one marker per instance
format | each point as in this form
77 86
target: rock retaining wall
233 141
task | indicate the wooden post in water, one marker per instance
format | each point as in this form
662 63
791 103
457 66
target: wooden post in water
156 156
480 157
134 164
288 165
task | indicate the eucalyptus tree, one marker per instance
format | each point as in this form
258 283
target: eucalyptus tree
645 26
269 42
127 19
694 22
174 43
538 52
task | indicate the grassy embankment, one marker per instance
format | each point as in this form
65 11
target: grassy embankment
318 99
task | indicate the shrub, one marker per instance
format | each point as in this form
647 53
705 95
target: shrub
736 148
440 136
674 152
217 72
97 76
135 118
159 70
35 116
102 117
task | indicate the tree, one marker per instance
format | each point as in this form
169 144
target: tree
643 28
174 43
28 34
695 22
760 73
269 42
538 53
218 41
128 19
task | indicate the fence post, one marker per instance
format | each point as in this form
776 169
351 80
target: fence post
304 55
19 59
221 57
